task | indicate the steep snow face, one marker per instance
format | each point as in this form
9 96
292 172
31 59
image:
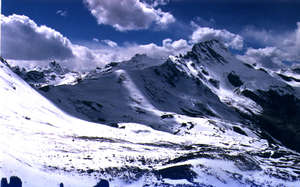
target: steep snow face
198 141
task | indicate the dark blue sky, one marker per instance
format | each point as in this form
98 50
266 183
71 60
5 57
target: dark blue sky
234 16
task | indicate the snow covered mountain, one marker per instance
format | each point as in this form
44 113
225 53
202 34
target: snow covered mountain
200 119
53 74
207 82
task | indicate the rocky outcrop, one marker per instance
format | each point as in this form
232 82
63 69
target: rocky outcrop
14 182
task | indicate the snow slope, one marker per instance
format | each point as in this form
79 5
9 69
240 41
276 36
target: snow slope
209 146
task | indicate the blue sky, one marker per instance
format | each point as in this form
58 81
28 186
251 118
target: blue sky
101 25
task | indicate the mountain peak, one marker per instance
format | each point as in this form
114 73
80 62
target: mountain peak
56 67
209 44
211 50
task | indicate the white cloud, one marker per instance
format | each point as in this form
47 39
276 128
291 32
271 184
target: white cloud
28 45
270 57
26 42
23 39
268 37
168 47
110 43
279 47
175 45
106 54
205 33
47 44
127 15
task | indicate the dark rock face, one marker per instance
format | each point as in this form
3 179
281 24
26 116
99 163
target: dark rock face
45 88
296 70
171 73
287 78
112 64
215 83
4 182
280 115
102 183
234 80
34 76
204 50
239 130
14 182
178 172
54 66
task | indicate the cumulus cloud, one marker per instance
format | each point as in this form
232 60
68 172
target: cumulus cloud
279 47
27 44
265 37
270 57
177 45
30 44
168 47
25 40
231 40
127 15
107 54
